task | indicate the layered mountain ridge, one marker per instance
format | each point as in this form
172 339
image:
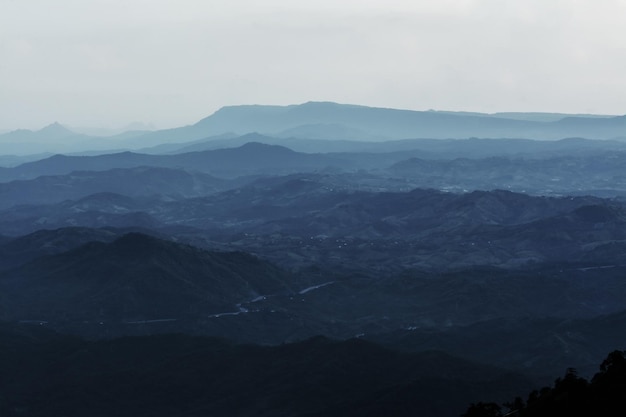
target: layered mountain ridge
507 252
327 120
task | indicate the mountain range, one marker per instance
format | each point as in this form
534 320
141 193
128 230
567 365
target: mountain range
565 167
326 120
307 219
107 283
351 260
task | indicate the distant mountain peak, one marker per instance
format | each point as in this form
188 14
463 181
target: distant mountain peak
55 130
55 127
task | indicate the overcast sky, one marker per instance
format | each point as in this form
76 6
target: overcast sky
106 63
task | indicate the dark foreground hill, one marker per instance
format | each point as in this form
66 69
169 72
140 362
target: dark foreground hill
571 395
132 279
141 285
175 375
543 347
18 251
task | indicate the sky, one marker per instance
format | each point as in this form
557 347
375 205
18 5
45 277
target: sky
108 63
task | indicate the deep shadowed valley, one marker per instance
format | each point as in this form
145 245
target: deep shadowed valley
313 260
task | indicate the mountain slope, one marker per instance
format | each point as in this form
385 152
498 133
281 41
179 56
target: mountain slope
300 220
135 277
93 211
134 182
18 251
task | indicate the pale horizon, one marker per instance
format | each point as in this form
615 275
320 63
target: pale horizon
141 125
107 64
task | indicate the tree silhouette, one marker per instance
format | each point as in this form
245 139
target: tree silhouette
571 395
483 410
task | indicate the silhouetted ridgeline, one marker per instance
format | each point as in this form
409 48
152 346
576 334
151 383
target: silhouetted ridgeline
46 374
571 395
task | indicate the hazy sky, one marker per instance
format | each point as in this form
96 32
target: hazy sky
112 62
